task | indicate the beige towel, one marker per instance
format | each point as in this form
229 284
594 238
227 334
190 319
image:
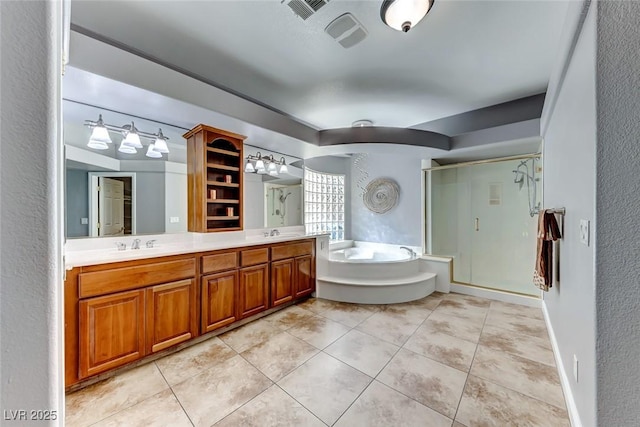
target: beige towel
548 231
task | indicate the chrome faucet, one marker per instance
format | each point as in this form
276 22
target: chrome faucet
121 246
274 232
411 251
135 244
150 243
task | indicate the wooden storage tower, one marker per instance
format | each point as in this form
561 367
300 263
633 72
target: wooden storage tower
215 177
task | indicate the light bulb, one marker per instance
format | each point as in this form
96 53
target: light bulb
127 149
151 152
160 144
132 139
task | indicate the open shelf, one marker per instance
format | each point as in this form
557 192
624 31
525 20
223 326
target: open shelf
224 152
215 171
224 201
223 184
220 166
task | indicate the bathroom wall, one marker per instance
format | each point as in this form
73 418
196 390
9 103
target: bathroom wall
175 195
617 205
77 203
150 203
253 201
31 222
569 150
401 225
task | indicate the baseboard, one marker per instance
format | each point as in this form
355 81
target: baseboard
496 295
572 409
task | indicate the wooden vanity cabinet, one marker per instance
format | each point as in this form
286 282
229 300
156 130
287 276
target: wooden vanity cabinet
111 331
171 314
128 310
292 271
254 290
119 313
304 283
282 280
218 300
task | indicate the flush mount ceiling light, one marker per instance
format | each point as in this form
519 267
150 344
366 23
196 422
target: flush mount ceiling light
362 123
265 165
131 141
402 15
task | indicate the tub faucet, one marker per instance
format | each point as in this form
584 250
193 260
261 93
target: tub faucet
135 244
411 251
274 232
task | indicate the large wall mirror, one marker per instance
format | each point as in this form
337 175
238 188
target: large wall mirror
110 193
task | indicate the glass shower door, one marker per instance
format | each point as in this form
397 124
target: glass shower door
480 216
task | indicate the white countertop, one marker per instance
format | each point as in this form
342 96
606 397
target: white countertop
92 251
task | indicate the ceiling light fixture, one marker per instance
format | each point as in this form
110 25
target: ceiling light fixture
265 165
402 15
131 141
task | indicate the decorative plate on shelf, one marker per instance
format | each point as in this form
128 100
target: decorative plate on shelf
381 195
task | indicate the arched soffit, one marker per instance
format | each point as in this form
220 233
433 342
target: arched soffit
388 135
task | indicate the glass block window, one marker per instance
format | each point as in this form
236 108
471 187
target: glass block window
324 203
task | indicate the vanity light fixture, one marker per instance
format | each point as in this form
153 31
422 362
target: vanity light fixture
265 165
100 138
402 15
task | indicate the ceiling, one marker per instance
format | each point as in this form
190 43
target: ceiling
463 56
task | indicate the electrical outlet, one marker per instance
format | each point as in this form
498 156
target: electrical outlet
575 367
174 219
84 221
584 232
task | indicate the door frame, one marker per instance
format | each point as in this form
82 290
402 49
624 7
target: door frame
93 199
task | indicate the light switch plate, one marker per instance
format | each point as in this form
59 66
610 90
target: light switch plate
584 232
174 219
84 221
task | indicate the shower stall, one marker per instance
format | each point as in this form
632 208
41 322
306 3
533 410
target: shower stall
484 215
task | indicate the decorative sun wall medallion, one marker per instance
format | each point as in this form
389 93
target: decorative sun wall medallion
381 195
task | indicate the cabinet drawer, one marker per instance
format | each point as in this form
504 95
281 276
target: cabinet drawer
291 250
219 262
121 279
254 257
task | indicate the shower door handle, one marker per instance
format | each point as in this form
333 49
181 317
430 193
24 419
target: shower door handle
477 224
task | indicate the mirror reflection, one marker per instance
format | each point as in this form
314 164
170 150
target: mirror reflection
110 192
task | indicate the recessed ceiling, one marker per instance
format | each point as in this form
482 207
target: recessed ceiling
463 56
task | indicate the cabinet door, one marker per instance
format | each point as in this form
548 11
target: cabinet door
282 275
111 331
171 314
304 283
254 290
219 293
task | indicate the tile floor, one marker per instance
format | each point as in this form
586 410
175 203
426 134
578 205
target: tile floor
446 360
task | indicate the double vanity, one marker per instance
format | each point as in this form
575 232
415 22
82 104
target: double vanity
126 307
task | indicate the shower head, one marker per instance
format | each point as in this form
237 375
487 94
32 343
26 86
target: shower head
284 198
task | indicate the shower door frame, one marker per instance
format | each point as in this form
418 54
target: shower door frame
427 203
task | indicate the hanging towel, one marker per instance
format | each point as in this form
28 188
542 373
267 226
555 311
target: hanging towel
548 232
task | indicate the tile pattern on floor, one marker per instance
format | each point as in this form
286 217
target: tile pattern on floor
445 360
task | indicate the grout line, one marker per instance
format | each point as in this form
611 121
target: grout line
299 403
484 321
175 395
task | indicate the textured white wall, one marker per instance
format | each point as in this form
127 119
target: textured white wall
401 225
569 181
253 201
617 242
175 185
30 209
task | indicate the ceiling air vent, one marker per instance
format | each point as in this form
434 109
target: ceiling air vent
305 8
346 30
